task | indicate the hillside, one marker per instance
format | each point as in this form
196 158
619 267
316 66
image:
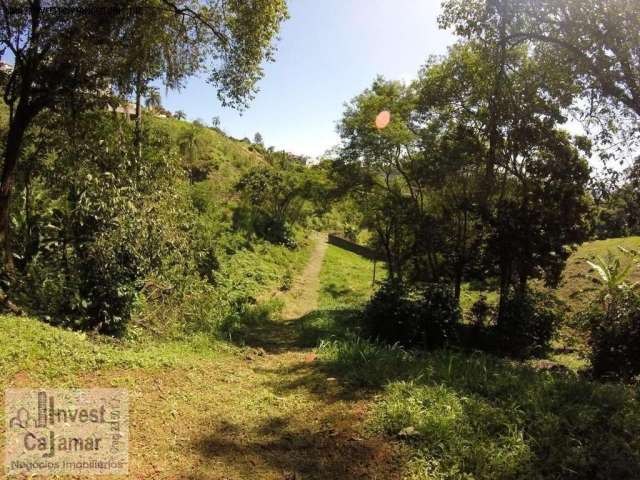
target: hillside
573 280
229 157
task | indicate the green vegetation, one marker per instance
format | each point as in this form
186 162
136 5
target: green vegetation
190 267
133 245
575 286
346 284
52 356
476 416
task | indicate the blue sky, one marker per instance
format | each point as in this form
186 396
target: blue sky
329 51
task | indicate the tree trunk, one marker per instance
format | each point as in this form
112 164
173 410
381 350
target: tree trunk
7 181
457 284
505 283
138 132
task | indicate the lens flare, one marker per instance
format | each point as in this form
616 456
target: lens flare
383 119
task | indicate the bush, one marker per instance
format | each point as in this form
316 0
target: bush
265 226
104 221
274 230
423 316
477 332
527 323
614 328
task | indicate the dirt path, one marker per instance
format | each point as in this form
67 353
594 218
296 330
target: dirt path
269 412
302 298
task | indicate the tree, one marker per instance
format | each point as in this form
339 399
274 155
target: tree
257 139
180 115
153 101
616 205
66 57
95 220
191 145
472 161
592 43
508 105
378 163
215 122
278 196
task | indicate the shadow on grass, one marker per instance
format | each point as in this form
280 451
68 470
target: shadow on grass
335 292
312 451
489 417
277 336
470 413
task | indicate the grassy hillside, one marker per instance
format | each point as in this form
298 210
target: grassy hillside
573 280
230 157
217 272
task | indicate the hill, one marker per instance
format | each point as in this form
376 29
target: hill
573 280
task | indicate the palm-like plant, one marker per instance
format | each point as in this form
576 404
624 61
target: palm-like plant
612 275
153 99
189 144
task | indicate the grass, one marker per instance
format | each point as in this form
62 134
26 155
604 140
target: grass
569 348
572 280
204 409
52 355
347 278
346 284
229 157
471 292
475 416
201 408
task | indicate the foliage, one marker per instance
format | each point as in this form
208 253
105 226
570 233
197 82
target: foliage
612 276
616 202
122 244
528 323
101 224
590 45
613 317
153 100
191 148
473 415
68 61
425 316
276 197
445 179
615 336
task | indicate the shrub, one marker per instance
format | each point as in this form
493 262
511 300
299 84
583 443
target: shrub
527 323
476 333
481 312
420 316
105 220
272 229
615 336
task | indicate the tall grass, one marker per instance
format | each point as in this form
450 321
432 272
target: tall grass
477 416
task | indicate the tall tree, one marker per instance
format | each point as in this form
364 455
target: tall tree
380 162
596 44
